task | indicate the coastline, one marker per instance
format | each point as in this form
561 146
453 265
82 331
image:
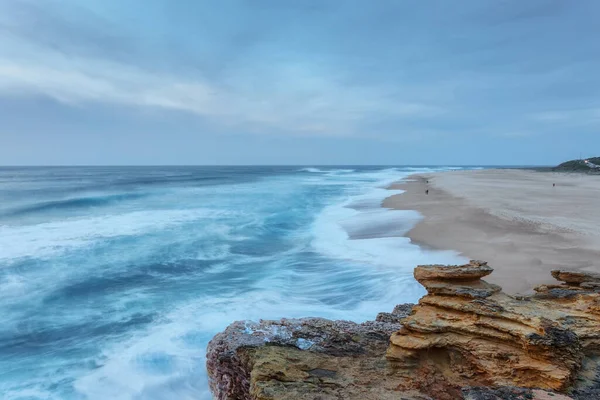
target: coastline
465 339
514 219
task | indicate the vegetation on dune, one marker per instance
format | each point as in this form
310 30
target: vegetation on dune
586 165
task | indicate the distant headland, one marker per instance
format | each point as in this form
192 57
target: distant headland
588 165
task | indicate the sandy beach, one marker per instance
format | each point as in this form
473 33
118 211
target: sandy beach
514 219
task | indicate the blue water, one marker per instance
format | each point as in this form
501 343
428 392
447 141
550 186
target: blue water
113 280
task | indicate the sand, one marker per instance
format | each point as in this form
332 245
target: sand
514 219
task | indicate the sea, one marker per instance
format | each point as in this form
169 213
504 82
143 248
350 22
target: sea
114 279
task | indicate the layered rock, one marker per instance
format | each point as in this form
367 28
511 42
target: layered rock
305 359
575 277
466 332
466 339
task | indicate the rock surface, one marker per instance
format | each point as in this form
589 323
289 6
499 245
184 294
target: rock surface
574 277
465 339
469 333
510 393
473 271
309 358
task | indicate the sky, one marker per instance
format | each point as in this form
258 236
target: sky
304 82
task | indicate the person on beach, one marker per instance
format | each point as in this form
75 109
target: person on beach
427 191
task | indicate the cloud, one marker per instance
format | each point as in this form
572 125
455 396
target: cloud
580 117
68 28
397 68
295 100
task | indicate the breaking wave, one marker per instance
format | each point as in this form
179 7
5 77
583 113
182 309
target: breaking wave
120 299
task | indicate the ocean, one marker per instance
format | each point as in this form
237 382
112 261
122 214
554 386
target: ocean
114 279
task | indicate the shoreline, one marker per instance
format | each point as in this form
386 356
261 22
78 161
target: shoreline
514 219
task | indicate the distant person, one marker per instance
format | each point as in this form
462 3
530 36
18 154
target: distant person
427 191
554 185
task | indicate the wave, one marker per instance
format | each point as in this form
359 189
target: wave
311 169
54 238
340 171
167 360
78 203
141 290
358 229
347 234
328 171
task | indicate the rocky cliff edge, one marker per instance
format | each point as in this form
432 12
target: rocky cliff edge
466 339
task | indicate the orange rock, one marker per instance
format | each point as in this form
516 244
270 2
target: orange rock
466 339
472 271
466 332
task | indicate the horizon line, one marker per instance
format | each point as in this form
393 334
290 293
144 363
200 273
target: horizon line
273 165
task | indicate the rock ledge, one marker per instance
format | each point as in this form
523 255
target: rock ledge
466 339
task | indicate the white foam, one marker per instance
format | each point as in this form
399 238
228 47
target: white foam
372 199
177 345
328 171
379 223
311 169
167 359
339 171
358 229
332 239
52 238
128 370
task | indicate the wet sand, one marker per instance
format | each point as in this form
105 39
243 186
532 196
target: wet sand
514 219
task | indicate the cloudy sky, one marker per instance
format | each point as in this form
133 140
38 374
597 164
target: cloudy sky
298 82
